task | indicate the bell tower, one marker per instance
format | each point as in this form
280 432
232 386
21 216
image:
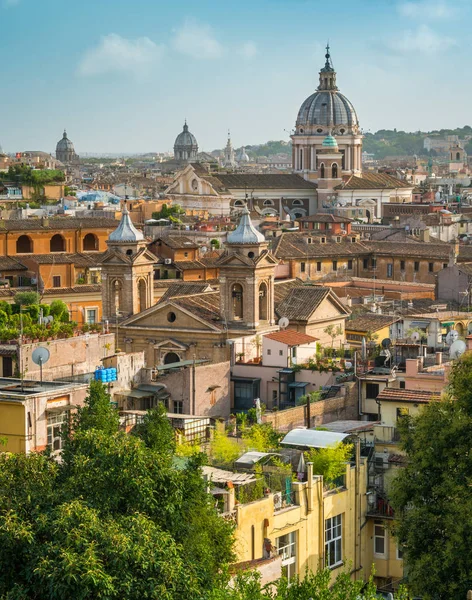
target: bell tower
127 272
247 279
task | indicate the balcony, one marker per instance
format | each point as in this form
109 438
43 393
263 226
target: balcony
380 508
385 434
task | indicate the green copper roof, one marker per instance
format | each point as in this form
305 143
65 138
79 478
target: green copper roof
330 142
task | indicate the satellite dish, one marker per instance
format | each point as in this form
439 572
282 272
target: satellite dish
48 319
452 337
386 343
415 336
283 322
40 356
457 348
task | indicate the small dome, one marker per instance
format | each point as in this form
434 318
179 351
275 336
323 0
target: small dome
245 232
185 138
126 231
330 142
64 144
243 156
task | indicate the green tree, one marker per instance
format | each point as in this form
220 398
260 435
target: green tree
26 298
59 310
225 450
333 332
98 412
330 462
156 431
261 437
431 494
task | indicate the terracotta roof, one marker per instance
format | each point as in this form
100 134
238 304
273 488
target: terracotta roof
77 289
437 250
290 337
390 394
57 223
265 181
370 322
61 258
324 218
373 181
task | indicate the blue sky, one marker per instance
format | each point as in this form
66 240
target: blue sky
121 76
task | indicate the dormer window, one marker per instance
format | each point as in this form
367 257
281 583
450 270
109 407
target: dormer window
323 240
309 240
338 239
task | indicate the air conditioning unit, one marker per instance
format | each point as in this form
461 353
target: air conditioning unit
167 261
381 460
278 500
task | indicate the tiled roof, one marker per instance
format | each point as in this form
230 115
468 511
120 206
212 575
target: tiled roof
465 253
370 322
437 250
324 218
206 306
290 337
275 181
178 242
10 264
185 289
373 181
465 268
77 289
282 289
57 223
390 394
63 258
294 245
301 302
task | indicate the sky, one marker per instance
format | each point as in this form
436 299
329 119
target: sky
122 76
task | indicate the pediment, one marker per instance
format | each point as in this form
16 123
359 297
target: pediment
236 259
171 345
112 257
143 257
157 318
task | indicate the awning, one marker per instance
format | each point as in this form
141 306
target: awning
136 394
312 438
59 409
420 324
298 384
447 324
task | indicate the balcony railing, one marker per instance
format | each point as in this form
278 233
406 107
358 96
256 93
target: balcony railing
381 509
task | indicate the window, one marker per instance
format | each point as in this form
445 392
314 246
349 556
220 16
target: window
402 265
353 239
186 254
338 239
171 317
306 225
269 351
365 263
431 267
349 265
374 263
399 552
178 407
402 385
287 548
281 352
55 421
302 267
379 539
24 245
335 265
56 281
333 541
371 390
323 240
390 270
444 265
90 242
91 315
274 396
417 266
318 266
57 243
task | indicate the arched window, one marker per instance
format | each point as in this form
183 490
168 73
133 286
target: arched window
458 156
171 357
268 203
24 245
237 297
239 203
297 203
142 293
263 300
90 242
322 171
117 295
334 171
57 243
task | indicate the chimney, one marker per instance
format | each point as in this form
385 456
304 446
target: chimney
439 358
424 235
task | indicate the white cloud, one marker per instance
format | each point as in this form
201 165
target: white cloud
422 40
116 54
426 10
248 50
8 3
197 40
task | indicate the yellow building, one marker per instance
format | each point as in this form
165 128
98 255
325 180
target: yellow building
370 326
